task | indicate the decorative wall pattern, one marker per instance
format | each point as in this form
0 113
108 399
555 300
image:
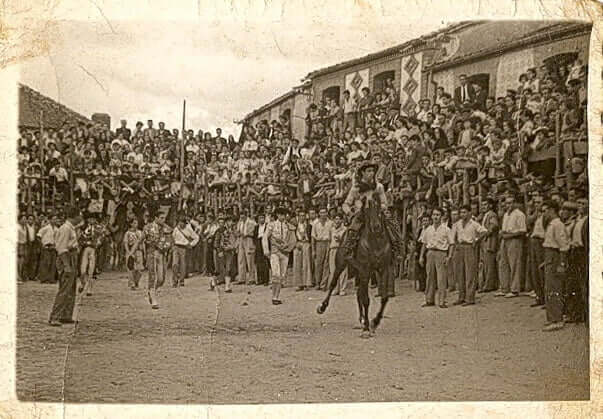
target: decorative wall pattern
354 82
410 81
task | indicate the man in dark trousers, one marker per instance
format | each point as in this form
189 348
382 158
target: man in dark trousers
479 100
261 261
66 245
464 92
124 130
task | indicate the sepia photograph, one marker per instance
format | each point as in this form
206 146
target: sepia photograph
238 213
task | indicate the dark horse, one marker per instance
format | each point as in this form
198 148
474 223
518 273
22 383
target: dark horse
373 256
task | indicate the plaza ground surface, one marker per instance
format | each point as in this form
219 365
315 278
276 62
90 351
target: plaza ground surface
205 347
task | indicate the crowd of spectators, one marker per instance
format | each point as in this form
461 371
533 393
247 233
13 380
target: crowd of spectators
461 147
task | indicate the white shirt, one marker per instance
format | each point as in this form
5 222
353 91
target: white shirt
556 237
349 105
538 231
514 222
185 236
436 238
466 233
60 174
46 235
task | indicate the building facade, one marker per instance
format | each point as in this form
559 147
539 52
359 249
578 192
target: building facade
490 53
494 54
292 104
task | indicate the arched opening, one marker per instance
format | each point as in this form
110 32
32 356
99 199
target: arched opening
481 79
555 62
332 92
381 79
286 113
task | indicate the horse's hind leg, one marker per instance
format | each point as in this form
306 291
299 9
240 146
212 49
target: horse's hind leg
339 268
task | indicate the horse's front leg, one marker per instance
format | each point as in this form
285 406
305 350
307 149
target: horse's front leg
384 275
340 265
377 320
363 305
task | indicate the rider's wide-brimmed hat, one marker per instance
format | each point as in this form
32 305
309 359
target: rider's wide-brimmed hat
367 165
281 210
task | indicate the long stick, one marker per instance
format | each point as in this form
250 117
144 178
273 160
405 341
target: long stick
42 146
70 178
182 157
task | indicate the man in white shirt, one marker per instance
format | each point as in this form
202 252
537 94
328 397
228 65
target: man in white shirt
246 248
350 107
67 257
279 241
425 108
579 258
436 252
466 234
301 254
556 245
513 231
321 237
184 237
47 267
337 232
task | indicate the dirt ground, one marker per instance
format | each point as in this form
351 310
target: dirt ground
205 347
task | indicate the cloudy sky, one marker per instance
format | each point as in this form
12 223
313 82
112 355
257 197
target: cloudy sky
139 70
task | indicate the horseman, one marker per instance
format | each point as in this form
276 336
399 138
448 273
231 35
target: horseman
365 190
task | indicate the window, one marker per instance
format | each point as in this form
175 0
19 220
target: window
332 92
483 79
554 63
379 81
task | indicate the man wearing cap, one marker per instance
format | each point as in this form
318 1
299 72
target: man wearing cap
281 238
184 237
556 245
246 248
365 190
